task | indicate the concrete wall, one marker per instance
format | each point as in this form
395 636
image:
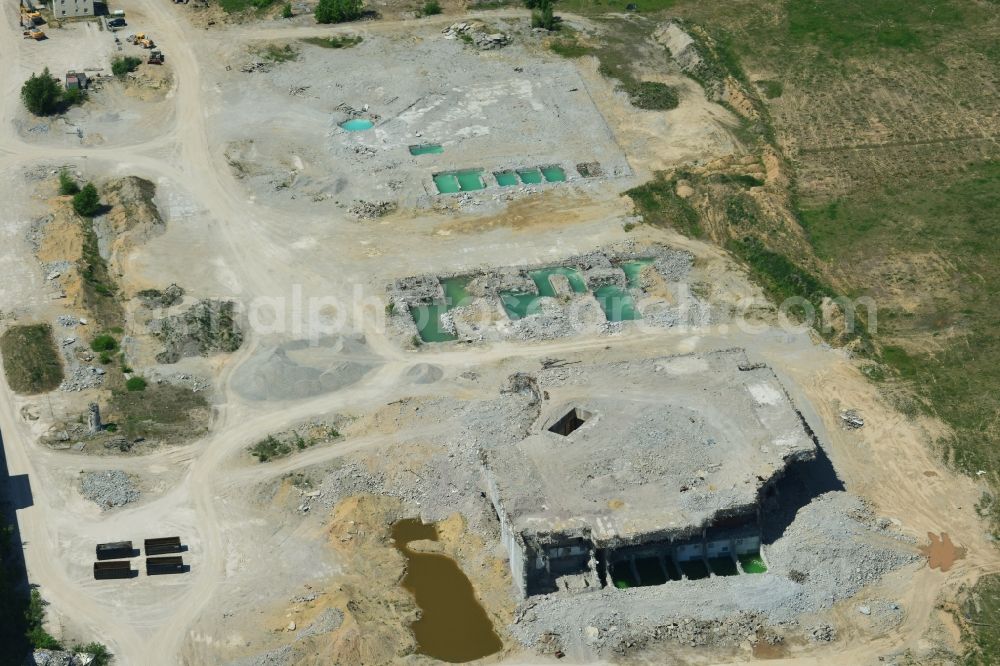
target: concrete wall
511 540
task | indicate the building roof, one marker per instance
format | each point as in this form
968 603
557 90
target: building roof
667 445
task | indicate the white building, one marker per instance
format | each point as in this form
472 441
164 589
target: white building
72 8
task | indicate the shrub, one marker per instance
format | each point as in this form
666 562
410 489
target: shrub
87 202
334 42
100 654
431 8
73 96
136 384
42 93
337 11
122 65
66 183
543 17
651 95
286 10
104 343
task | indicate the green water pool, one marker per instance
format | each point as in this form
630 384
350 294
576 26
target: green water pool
427 149
520 304
622 576
554 174
723 566
544 284
447 183
650 571
428 321
530 176
694 569
618 304
456 292
753 564
471 179
633 270
357 124
505 178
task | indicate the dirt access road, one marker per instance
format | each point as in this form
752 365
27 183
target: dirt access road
150 622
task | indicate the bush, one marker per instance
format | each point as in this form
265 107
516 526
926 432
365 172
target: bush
286 10
337 11
431 8
543 16
87 202
73 96
104 343
98 651
66 183
651 95
35 617
122 65
42 93
136 384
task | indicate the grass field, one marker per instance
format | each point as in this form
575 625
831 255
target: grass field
30 358
886 114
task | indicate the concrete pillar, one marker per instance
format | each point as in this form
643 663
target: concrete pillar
94 418
663 566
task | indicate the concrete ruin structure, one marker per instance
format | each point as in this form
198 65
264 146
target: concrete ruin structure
93 418
641 472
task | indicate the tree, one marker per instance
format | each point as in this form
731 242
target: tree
66 183
543 16
337 11
42 93
87 202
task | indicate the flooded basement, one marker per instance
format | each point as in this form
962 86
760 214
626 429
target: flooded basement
453 626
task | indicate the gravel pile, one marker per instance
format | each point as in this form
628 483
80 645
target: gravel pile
327 621
110 488
82 378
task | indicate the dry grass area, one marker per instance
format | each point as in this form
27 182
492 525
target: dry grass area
30 358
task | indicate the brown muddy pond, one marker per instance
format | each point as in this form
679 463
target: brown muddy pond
453 626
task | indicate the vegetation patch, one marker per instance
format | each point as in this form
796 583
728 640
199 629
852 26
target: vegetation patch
285 443
43 95
338 11
30 359
569 48
67 184
650 95
121 66
658 204
334 42
160 411
235 6
276 53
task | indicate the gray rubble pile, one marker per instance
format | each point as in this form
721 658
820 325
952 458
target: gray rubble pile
477 35
82 378
371 210
108 488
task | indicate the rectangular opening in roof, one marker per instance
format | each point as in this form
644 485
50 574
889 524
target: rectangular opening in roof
572 420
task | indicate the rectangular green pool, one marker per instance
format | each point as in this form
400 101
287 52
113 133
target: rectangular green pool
554 173
447 183
456 293
541 279
520 304
752 564
427 149
428 321
468 180
530 176
633 270
694 569
618 304
505 178
723 566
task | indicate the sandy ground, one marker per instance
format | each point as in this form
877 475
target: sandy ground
222 241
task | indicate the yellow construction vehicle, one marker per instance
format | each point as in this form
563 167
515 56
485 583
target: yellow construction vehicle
146 43
36 35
